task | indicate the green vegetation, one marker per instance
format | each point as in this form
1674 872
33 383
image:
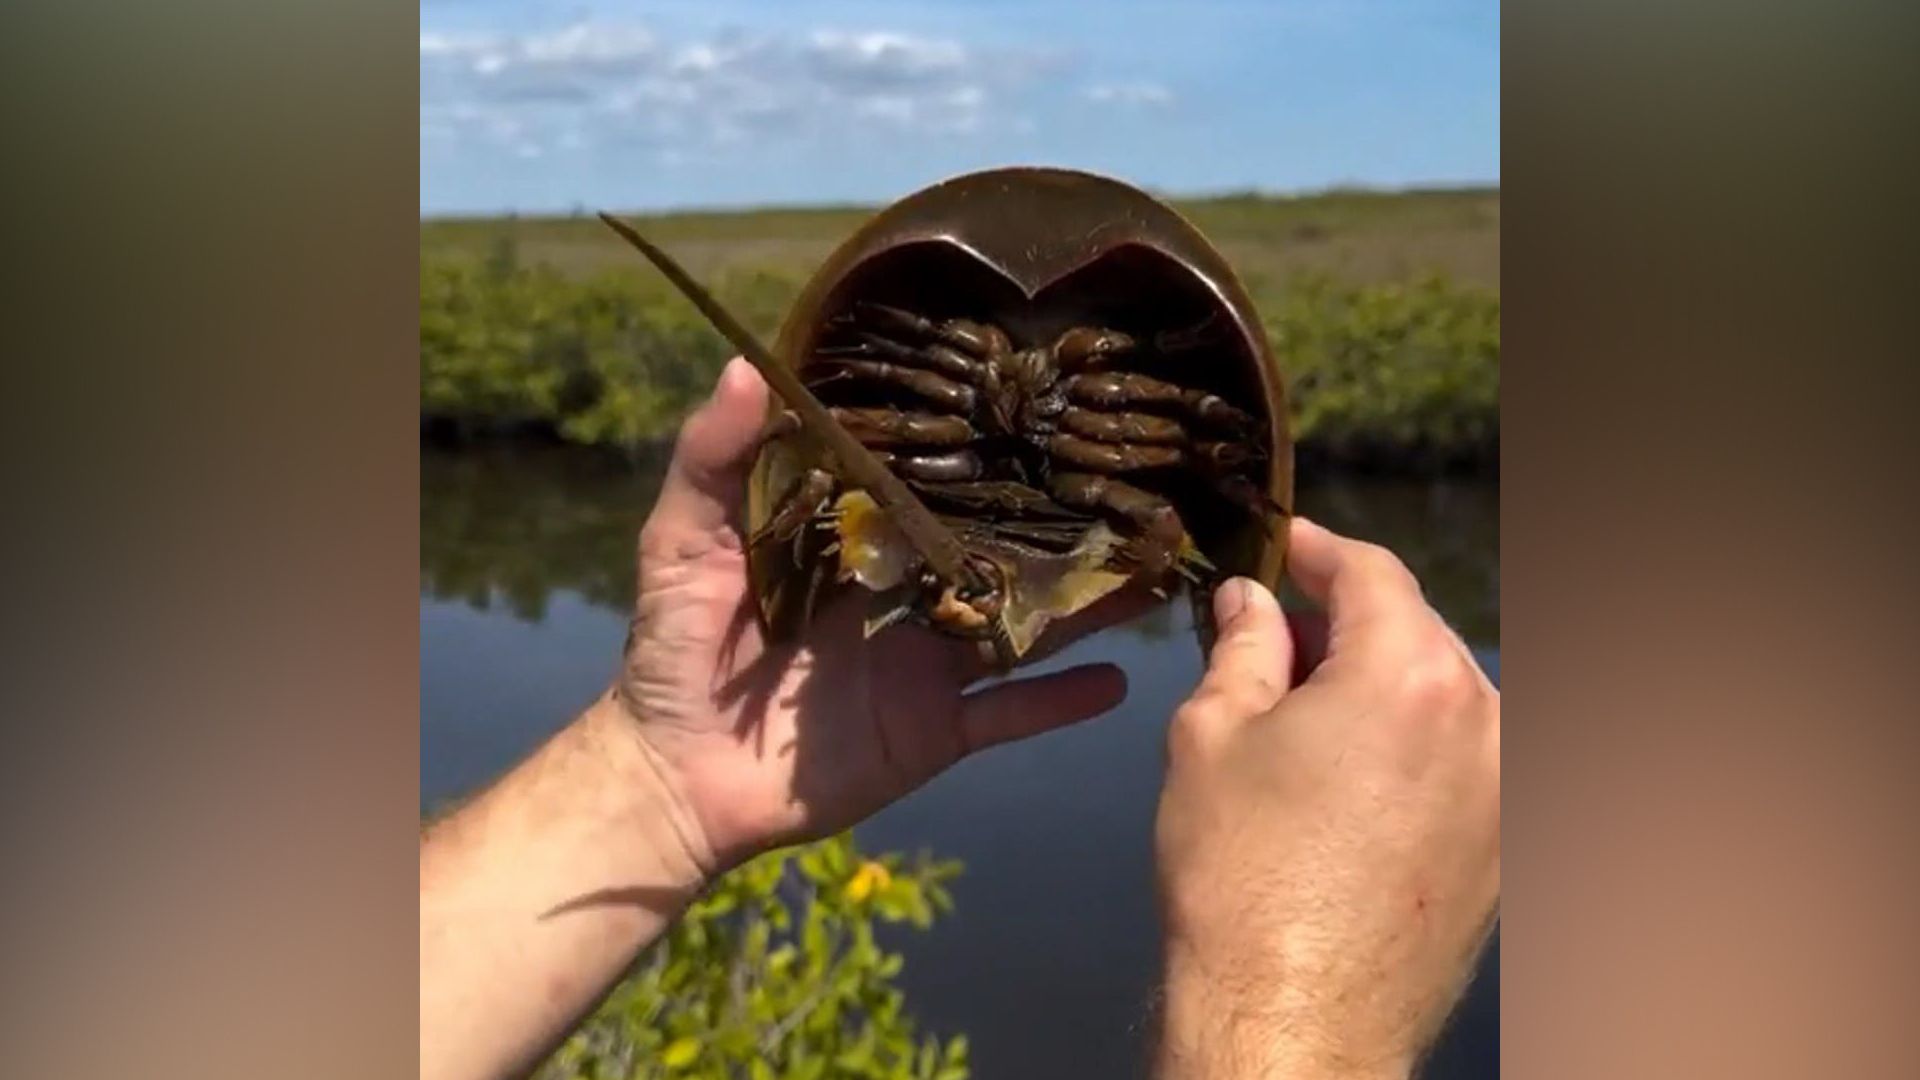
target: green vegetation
776 974
1359 236
1383 308
613 359
1407 371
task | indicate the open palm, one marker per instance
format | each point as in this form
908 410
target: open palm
768 744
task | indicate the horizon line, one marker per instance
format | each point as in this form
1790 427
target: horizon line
1437 187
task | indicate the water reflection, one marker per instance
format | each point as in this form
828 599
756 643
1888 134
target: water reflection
504 529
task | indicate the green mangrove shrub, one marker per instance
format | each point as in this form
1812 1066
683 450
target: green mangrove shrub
777 974
1401 365
616 358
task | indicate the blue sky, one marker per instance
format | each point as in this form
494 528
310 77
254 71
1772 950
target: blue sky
552 105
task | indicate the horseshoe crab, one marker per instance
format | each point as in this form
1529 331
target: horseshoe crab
1004 397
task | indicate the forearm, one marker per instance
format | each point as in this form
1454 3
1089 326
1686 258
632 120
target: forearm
1219 1022
538 894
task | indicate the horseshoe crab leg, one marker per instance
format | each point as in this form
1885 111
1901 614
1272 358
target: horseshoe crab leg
954 465
951 395
1101 457
934 542
882 427
1122 427
1160 533
945 359
980 340
804 499
1118 390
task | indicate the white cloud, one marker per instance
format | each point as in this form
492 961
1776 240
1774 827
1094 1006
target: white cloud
596 83
885 60
1136 94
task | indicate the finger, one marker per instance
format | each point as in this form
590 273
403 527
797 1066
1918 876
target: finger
1311 631
1252 659
1014 710
1116 607
706 481
1353 580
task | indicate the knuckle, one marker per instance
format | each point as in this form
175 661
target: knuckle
1436 682
1381 563
1371 556
1203 710
1196 725
694 432
655 546
1402 644
1252 691
683 435
1251 683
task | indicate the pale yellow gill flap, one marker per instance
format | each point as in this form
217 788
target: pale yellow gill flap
1043 590
872 551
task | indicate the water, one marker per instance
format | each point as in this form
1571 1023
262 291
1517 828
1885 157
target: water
1049 962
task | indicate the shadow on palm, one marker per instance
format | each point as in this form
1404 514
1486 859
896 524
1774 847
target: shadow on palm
867 720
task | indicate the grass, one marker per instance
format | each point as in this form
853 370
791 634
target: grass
1359 236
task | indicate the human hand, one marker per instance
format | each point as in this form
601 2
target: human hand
763 744
1328 845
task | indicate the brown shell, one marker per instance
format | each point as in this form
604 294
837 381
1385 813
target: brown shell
1038 249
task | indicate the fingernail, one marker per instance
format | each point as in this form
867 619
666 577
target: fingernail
1229 601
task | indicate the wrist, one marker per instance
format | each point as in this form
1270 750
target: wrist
647 800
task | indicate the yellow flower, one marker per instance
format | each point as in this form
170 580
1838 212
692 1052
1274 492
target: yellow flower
681 1052
869 877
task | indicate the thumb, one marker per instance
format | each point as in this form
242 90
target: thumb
1248 669
706 480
